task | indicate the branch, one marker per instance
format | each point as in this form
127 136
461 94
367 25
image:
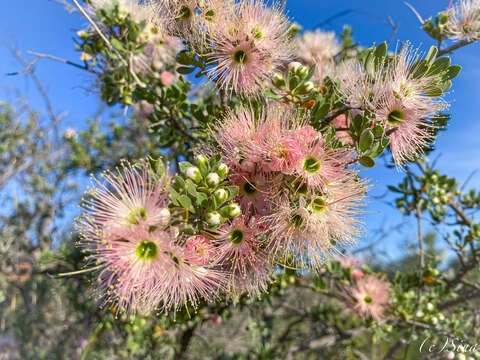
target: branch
332 116
456 46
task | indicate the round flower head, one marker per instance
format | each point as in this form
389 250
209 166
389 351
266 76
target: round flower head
320 165
200 249
239 250
464 20
319 48
255 188
409 131
133 265
129 196
318 226
249 46
371 297
188 278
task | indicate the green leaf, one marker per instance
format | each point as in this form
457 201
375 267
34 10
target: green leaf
117 44
269 93
186 203
357 123
191 188
433 91
367 161
420 69
453 72
185 57
446 85
431 55
381 50
441 64
184 70
232 192
366 140
214 161
378 131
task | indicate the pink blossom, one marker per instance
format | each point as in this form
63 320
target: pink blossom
371 296
357 274
167 78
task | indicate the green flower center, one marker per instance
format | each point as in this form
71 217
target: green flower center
319 205
311 164
146 250
134 216
240 57
297 220
395 117
185 13
236 236
368 299
250 188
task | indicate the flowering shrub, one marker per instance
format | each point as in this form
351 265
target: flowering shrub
250 184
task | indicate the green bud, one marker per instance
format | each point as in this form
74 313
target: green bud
306 88
213 218
82 34
298 69
201 159
221 195
278 81
222 170
213 179
194 174
231 211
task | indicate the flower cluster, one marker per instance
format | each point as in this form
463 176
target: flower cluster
294 181
402 94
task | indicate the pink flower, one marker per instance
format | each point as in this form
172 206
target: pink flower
132 195
342 124
167 78
464 20
217 320
249 46
201 249
239 252
70 133
320 165
357 274
371 297
347 262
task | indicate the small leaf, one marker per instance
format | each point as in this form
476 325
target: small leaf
420 69
432 54
184 70
232 192
441 64
433 91
117 44
357 123
269 93
367 161
381 51
186 203
366 140
452 72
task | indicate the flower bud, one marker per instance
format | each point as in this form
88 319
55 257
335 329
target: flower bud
430 307
278 81
307 87
231 211
213 218
221 195
222 170
194 174
294 66
164 215
201 159
357 274
213 179
82 34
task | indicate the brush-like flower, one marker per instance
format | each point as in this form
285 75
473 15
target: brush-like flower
371 296
409 130
464 20
318 48
255 188
319 165
138 11
240 251
129 196
188 279
317 226
249 46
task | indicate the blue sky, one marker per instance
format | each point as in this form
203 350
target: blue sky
45 26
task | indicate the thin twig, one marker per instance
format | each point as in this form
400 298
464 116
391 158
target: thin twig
456 46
